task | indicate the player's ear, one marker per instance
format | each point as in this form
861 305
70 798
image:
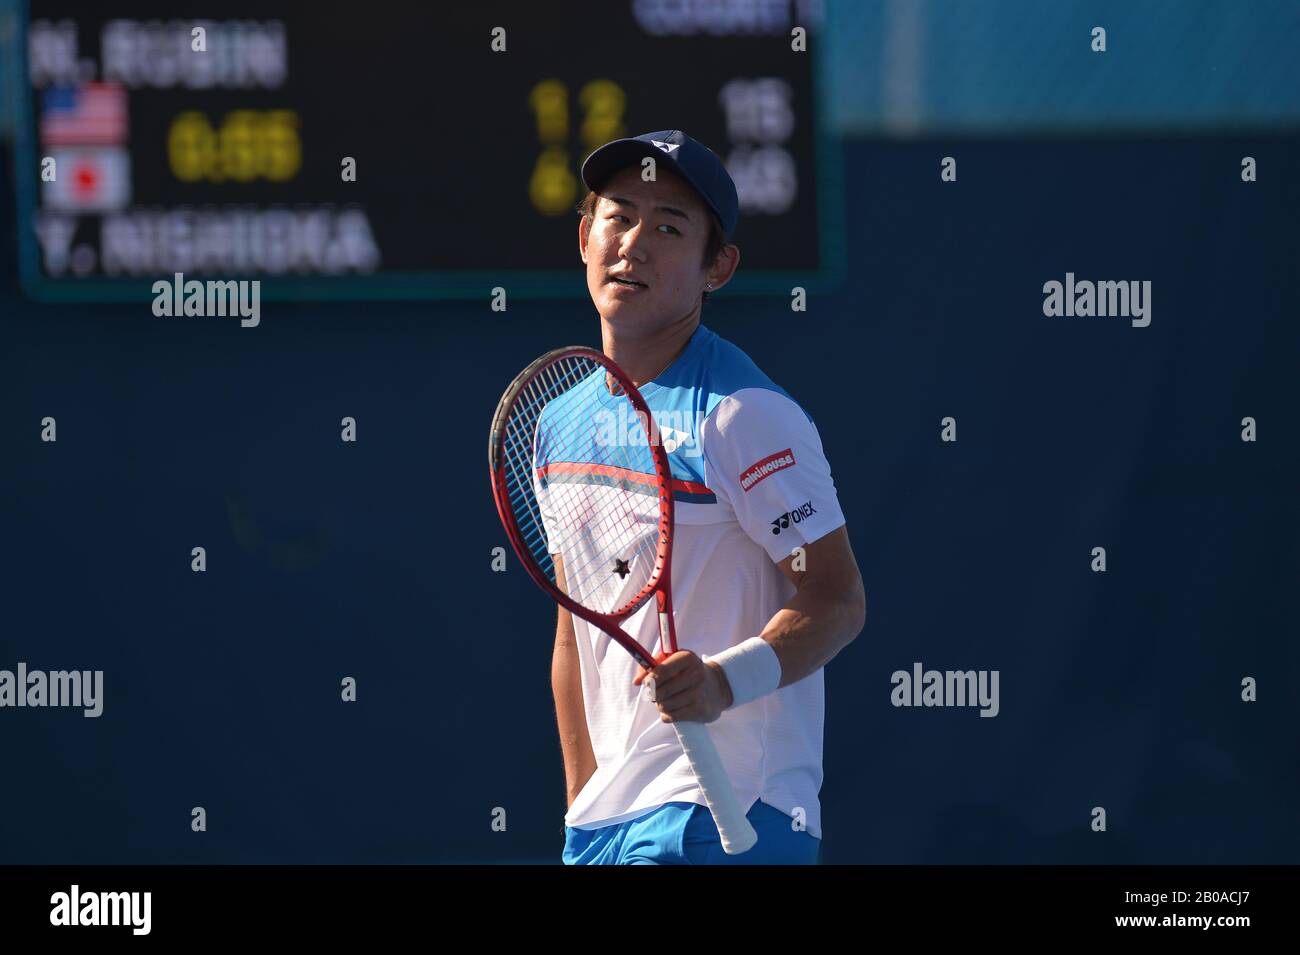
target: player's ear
724 266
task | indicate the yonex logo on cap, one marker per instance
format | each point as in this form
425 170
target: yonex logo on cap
666 147
761 469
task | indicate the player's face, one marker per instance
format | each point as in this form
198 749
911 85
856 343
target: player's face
645 249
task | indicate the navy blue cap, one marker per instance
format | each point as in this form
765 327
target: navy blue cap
689 158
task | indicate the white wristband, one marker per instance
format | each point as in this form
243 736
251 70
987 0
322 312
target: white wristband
752 669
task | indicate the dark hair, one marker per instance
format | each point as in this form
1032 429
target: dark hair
712 244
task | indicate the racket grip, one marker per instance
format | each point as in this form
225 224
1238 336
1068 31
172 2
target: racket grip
736 832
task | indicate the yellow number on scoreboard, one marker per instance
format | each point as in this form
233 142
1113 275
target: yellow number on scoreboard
550 102
281 148
553 187
250 144
238 150
602 102
191 147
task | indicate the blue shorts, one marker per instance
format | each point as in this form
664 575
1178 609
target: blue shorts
683 833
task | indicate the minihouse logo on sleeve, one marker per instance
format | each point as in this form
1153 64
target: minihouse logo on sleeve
766 467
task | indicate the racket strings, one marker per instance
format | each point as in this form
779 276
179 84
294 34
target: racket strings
602 515
579 485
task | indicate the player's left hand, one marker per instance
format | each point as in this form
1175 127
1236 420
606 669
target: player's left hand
686 688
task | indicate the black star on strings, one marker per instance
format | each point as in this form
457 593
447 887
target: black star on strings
621 568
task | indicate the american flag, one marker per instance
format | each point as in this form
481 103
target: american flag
93 114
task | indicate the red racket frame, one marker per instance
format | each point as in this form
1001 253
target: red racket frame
659 583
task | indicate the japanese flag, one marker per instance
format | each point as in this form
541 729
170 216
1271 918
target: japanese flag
88 179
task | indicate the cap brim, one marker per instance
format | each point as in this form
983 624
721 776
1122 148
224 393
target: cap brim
619 154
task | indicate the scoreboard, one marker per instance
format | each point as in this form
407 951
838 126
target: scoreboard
397 150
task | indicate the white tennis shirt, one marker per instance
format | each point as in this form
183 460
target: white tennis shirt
750 484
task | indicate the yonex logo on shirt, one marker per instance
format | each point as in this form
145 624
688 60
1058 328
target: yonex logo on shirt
800 513
761 469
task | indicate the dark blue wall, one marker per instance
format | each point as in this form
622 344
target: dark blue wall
372 560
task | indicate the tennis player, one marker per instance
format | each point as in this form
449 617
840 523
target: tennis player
765 586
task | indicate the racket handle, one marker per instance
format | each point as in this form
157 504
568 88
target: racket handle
736 832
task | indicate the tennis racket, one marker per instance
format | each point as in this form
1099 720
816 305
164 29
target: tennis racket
562 466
